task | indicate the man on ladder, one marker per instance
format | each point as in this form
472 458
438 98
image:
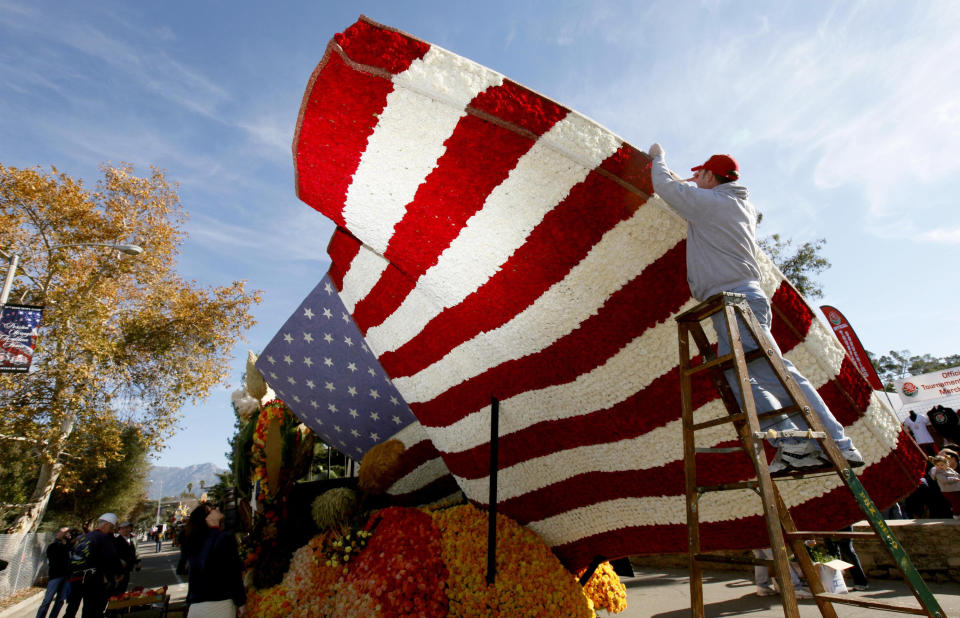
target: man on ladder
721 257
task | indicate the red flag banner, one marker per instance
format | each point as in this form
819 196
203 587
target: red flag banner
851 343
494 242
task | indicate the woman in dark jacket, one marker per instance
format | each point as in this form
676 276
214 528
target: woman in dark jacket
216 582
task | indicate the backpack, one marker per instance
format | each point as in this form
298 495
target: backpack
81 554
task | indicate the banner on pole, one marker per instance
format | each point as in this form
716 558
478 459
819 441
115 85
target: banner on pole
851 343
927 386
18 334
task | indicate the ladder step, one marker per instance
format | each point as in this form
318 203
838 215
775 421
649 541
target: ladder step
826 534
724 362
732 559
729 486
733 418
719 449
850 599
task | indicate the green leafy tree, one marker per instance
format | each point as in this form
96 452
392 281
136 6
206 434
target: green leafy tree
123 337
897 364
800 265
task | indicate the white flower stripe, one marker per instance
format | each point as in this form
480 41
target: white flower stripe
559 310
408 140
420 477
365 270
628 371
541 179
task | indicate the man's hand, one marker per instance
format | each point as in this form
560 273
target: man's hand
656 150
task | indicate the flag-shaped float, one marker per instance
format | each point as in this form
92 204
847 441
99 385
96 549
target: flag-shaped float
492 242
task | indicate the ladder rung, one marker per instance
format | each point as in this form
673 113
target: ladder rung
732 559
719 449
729 486
850 599
826 534
733 418
724 362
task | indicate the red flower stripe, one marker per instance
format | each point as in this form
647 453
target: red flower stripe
370 43
638 414
624 316
415 455
342 249
338 115
520 106
795 311
479 156
526 275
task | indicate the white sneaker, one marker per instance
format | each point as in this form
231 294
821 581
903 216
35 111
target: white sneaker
801 458
853 457
766 591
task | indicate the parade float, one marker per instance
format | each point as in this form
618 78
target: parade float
494 342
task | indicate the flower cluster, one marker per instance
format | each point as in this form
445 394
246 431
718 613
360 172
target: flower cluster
271 602
340 549
529 577
273 410
605 589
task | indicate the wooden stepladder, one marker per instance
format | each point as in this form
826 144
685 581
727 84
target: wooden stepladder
780 526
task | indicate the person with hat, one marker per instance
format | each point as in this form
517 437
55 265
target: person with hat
127 552
722 257
107 566
58 561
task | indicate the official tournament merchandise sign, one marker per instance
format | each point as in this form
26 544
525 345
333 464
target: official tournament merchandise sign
929 386
18 334
851 343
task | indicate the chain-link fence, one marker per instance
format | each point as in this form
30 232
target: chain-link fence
24 554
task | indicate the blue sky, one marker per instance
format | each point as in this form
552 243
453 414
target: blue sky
844 116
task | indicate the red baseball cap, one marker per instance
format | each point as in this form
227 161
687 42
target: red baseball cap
722 165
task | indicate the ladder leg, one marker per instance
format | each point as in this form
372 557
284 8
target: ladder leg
690 474
754 449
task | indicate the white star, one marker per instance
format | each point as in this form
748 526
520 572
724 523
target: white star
308 337
329 386
326 313
354 413
310 384
374 416
328 337
318 422
358 449
308 361
288 360
297 399
271 360
396 419
287 338
364 346
313 404
374 436
344 317
355 433
291 380
352 390
371 371
337 427
352 366
328 361
332 407
348 341
273 375
394 401
308 313
374 393
328 288
343 443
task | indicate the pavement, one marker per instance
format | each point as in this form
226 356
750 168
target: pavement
652 593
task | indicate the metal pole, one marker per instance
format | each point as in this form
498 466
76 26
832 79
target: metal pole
492 524
159 501
8 282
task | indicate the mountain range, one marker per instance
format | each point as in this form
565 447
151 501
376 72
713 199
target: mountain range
172 481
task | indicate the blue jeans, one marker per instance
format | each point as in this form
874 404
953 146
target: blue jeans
768 393
57 587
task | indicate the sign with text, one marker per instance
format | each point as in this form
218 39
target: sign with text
18 334
928 386
851 343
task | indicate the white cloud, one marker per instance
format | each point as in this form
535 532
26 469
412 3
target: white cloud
948 236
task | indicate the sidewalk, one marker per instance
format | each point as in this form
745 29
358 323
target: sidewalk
665 593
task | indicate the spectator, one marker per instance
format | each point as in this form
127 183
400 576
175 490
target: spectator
107 566
127 553
159 538
766 586
920 428
944 471
843 548
58 561
75 591
215 588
